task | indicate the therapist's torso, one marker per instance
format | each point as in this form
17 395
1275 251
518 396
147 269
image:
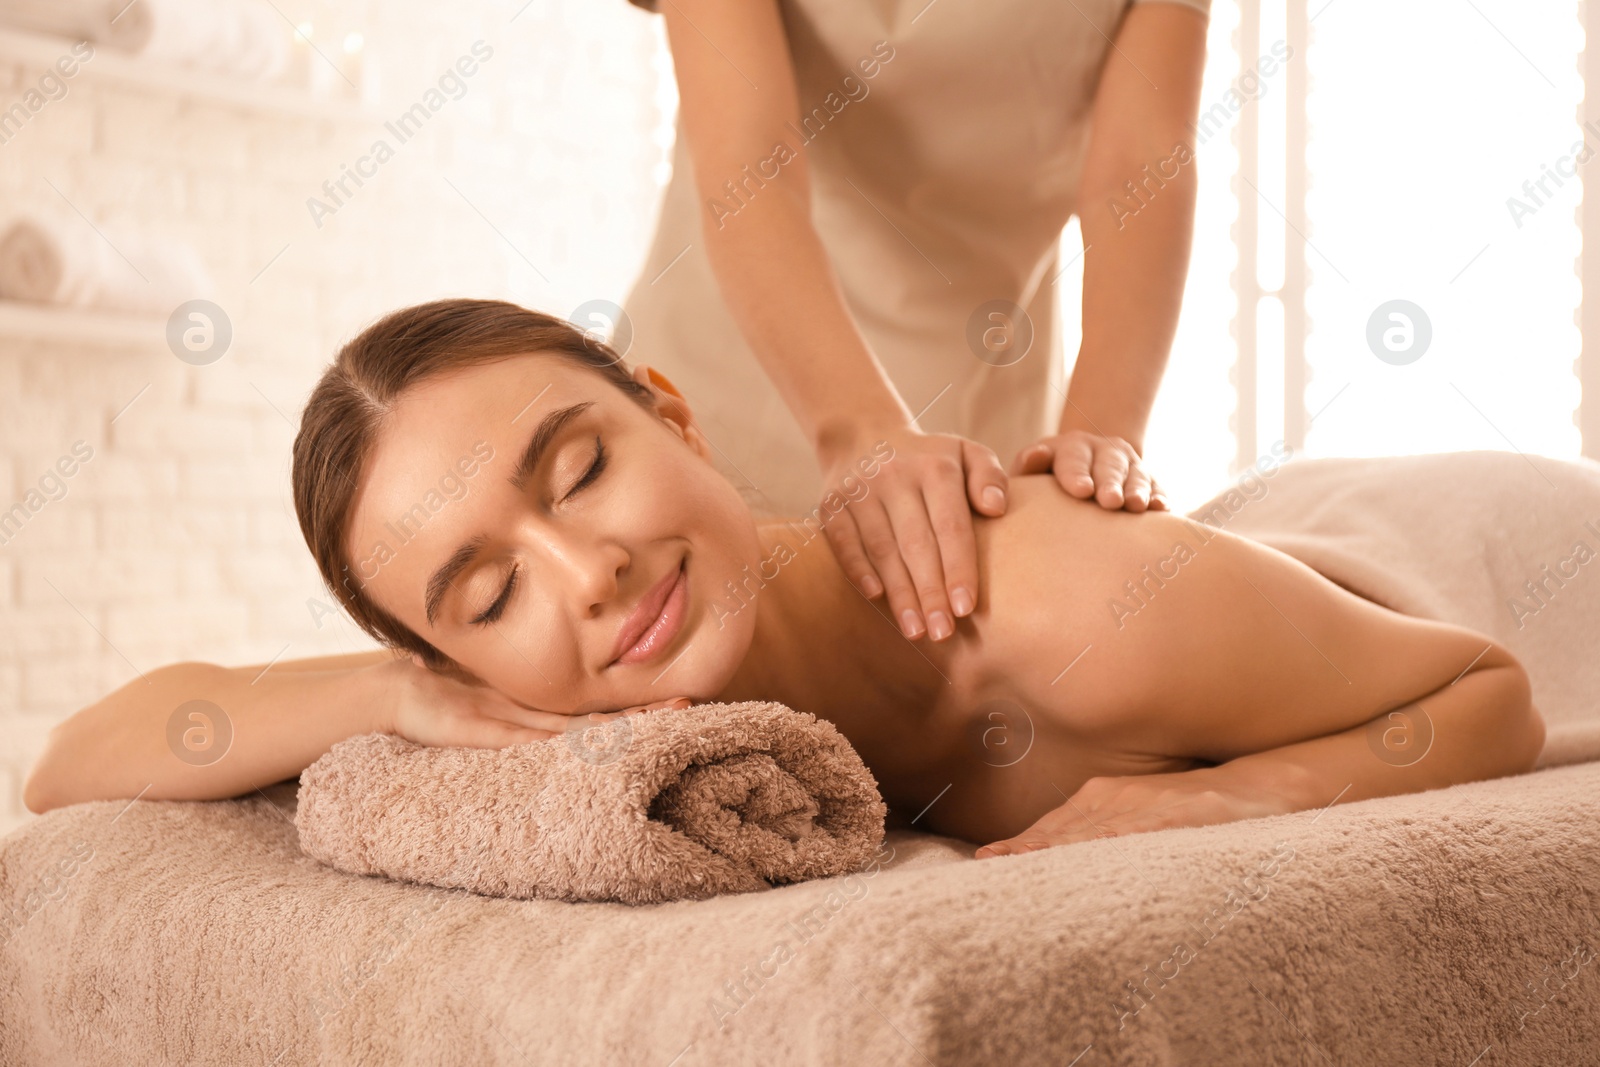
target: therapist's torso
939 185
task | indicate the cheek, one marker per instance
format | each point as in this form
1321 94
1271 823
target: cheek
712 514
728 561
673 493
533 661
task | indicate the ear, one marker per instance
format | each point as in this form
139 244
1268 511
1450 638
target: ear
673 408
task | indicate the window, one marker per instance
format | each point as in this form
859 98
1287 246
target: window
1386 239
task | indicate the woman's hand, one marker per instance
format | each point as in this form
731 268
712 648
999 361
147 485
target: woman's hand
438 710
1117 806
906 529
1087 464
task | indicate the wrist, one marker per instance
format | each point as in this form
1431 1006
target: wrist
1285 782
377 695
844 435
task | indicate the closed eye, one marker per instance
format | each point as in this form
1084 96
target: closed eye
596 466
493 612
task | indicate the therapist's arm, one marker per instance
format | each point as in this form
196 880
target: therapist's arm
909 535
1136 205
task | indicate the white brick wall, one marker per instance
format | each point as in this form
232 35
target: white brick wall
177 540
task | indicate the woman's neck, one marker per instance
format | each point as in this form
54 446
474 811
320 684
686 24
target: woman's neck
818 643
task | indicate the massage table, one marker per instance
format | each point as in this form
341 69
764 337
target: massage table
1453 927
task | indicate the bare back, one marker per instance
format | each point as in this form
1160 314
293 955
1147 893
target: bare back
1114 643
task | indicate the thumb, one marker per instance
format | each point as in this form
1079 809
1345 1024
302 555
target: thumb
1035 459
986 478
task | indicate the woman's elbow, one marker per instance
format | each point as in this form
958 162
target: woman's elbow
1518 727
35 791
47 785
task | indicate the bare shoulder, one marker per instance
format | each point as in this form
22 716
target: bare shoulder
1183 638
340 661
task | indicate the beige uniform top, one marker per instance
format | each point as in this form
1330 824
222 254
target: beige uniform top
942 174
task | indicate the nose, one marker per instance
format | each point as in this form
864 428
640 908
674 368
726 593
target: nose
587 566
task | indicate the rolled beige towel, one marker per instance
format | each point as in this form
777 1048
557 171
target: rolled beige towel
656 806
62 260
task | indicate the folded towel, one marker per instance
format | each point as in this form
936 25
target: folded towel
241 38
49 259
656 806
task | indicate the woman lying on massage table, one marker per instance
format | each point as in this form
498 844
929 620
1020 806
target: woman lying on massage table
539 536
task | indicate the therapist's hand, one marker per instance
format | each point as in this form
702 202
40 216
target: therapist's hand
905 531
1087 464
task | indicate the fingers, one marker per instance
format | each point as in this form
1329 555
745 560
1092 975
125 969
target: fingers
497 707
551 723
582 721
1035 459
495 733
1114 806
919 547
1136 490
1059 826
1088 465
844 536
1034 840
986 480
911 540
675 702
1075 467
1110 475
951 518
878 536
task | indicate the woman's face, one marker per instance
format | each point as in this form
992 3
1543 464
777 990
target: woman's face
530 520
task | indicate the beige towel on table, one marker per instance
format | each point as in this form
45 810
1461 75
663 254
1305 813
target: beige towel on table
663 805
63 260
240 38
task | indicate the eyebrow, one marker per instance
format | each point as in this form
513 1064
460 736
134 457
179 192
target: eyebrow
549 427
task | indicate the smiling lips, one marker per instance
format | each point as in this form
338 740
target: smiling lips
657 619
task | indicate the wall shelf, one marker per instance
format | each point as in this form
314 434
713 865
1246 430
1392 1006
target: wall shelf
120 68
47 322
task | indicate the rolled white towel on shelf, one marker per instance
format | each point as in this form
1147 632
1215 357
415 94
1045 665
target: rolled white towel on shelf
240 38
98 21
63 261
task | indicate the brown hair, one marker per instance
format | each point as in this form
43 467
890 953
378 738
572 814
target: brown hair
345 411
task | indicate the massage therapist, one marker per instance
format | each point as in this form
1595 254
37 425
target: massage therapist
859 244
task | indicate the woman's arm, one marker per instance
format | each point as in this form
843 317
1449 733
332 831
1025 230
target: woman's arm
1480 725
257 726
1483 725
738 98
1136 205
275 723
